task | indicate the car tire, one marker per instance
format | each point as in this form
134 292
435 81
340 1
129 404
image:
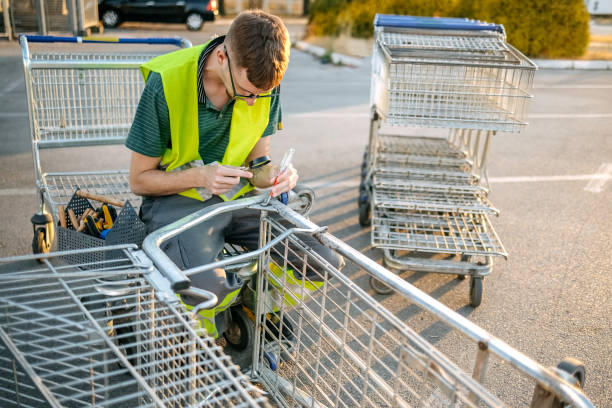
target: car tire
110 18
194 21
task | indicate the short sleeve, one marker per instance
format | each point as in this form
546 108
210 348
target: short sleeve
275 114
150 131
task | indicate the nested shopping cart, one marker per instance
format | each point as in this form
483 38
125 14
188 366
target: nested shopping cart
111 336
117 336
81 96
440 89
333 345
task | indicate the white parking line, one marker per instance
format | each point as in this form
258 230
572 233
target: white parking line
569 115
16 191
13 114
543 179
597 183
352 115
596 180
328 115
574 86
11 87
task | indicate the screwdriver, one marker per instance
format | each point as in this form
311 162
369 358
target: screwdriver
283 166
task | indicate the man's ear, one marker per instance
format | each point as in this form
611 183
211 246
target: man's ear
220 55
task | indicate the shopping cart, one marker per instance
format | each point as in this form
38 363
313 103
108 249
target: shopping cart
336 346
424 192
79 98
114 336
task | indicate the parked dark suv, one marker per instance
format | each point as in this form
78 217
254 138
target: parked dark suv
191 12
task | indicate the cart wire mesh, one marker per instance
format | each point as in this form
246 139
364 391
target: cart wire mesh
445 164
345 353
79 99
108 338
60 187
435 232
454 81
437 176
340 347
415 197
434 147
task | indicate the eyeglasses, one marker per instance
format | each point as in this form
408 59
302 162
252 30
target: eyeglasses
237 95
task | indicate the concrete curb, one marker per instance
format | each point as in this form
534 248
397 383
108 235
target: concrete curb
541 63
335 57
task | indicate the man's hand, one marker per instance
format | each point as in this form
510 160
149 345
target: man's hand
217 178
285 182
265 176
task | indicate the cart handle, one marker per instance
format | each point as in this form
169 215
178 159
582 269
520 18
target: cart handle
179 280
178 41
435 23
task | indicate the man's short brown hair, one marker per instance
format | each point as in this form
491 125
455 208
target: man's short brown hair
260 43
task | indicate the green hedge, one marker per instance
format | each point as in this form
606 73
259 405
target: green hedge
539 28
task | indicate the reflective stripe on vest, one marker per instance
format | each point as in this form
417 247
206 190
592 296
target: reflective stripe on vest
206 317
291 287
178 71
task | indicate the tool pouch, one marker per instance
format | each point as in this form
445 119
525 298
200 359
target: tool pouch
127 229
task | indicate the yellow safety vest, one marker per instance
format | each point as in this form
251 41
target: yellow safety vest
178 71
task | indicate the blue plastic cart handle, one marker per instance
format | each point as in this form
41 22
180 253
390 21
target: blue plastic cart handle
56 39
435 23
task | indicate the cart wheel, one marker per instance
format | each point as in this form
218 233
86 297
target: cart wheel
241 331
305 199
364 162
365 213
379 287
575 368
40 243
44 232
476 287
271 360
460 277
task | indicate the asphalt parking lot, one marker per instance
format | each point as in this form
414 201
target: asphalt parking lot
552 183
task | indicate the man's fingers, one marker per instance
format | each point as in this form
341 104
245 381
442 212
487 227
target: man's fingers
234 172
280 188
227 181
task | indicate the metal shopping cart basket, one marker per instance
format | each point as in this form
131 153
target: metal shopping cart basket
424 192
338 347
79 98
114 336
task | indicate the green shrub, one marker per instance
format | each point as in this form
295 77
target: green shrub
542 28
323 17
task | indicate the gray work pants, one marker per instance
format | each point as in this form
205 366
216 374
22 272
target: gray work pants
203 243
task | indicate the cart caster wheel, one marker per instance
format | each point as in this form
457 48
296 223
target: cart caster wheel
476 288
44 233
241 331
271 360
305 199
364 162
460 277
40 243
379 287
574 368
365 214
